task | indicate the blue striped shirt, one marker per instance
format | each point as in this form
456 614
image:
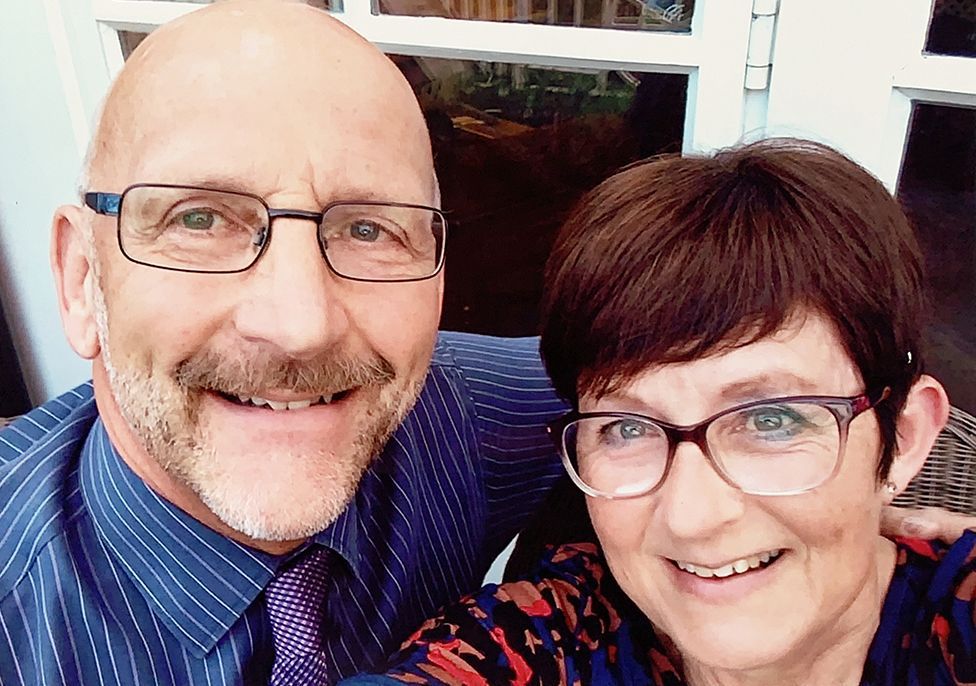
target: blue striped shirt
104 582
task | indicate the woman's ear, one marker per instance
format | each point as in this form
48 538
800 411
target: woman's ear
71 262
926 412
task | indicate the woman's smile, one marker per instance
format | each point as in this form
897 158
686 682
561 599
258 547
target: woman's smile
740 565
729 582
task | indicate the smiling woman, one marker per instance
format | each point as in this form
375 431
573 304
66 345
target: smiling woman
740 338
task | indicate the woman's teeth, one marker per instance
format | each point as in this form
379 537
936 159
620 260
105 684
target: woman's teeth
739 566
279 405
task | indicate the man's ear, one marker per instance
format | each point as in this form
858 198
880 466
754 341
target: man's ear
926 412
71 257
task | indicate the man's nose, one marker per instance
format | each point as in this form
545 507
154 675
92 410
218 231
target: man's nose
695 502
291 299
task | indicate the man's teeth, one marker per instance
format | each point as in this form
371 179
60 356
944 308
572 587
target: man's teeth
284 405
739 566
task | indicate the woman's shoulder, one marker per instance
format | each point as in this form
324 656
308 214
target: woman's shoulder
933 598
558 606
937 572
575 564
555 626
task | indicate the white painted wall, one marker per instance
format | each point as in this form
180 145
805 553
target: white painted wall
840 96
44 113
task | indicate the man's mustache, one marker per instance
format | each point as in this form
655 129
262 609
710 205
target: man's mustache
240 374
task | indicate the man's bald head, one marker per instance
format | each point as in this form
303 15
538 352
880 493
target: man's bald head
272 54
276 101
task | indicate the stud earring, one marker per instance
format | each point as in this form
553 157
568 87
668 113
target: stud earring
891 488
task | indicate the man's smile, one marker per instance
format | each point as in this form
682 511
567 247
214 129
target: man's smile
279 405
257 410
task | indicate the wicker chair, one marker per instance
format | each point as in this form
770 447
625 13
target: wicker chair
948 479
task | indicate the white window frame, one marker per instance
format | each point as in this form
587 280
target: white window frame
922 78
859 92
713 54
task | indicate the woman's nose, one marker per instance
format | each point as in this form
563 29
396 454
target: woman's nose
694 500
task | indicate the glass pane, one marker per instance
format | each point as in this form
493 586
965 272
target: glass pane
938 188
952 30
654 15
13 390
515 146
130 41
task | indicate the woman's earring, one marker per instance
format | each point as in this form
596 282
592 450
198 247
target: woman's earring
891 488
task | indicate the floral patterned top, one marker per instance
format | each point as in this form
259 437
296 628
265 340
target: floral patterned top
571 625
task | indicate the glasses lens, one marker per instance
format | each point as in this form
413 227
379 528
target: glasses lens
383 242
776 447
617 456
192 229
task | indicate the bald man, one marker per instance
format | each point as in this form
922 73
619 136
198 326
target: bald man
279 469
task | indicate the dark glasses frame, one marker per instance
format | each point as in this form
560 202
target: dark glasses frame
843 409
111 204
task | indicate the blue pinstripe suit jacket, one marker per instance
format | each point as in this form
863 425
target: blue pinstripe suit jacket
104 582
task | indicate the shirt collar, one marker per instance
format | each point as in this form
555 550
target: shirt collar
197 581
343 535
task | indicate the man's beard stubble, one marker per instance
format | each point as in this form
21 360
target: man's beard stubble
164 411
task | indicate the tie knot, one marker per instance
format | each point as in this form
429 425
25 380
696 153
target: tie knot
296 604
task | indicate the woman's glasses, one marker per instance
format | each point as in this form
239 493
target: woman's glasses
778 446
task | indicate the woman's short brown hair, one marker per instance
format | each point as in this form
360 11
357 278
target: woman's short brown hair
678 258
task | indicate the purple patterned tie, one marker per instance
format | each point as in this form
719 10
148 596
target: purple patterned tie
296 606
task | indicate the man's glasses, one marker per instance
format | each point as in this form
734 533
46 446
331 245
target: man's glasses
779 446
190 229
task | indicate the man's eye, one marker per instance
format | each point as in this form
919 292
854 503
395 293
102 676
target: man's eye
197 220
366 231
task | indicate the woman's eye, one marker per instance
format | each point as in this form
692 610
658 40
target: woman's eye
623 430
770 422
632 429
198 220
776 421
